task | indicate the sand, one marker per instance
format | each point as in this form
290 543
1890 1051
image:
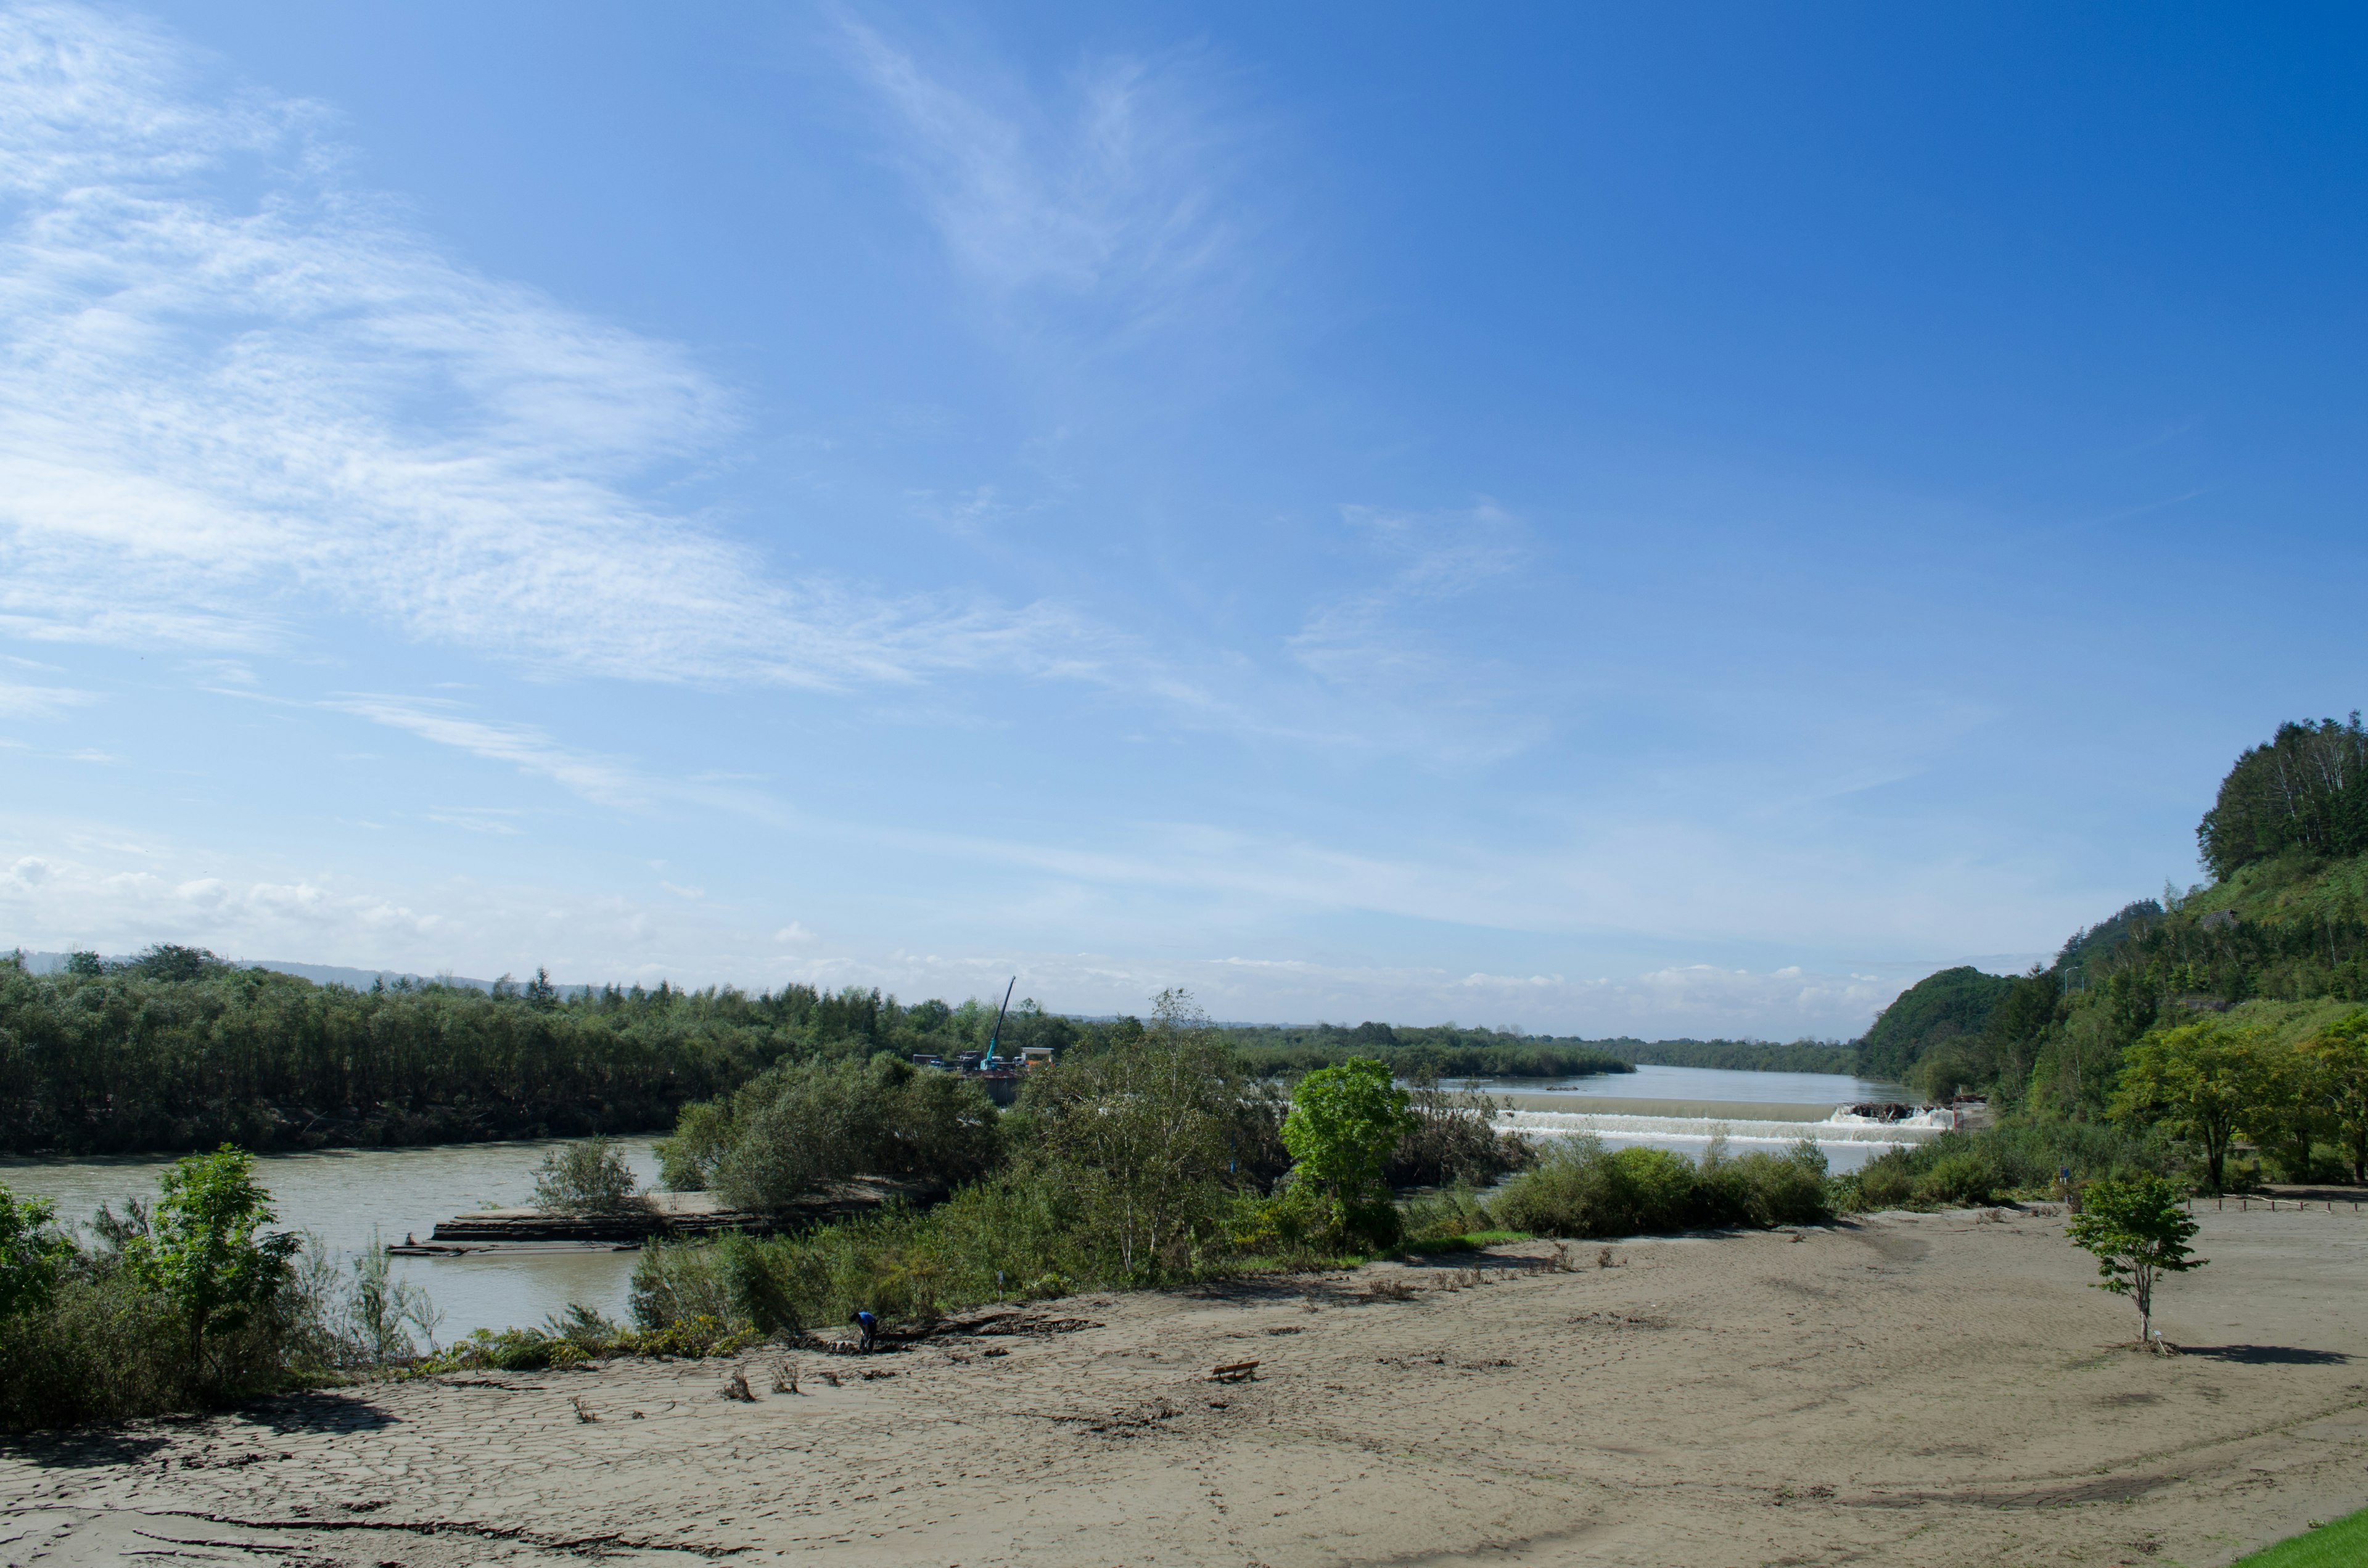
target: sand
1914 1390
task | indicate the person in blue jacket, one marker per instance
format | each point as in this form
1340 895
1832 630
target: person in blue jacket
870 1327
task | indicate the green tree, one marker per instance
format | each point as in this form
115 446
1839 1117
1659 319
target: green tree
31 1252
2139 1230
1344 1122
2201 1081
2341 1051
2292 1108
203 1252
1137 1139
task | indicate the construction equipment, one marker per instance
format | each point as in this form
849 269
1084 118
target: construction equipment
988 1063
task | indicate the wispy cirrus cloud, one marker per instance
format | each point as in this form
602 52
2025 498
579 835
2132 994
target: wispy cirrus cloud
1115 188
607 781
1380 649
20 701
235 389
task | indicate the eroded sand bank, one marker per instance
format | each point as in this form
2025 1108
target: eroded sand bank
1912 1390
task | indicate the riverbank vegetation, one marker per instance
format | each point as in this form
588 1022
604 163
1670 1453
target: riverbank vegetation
1450 1050
186 1301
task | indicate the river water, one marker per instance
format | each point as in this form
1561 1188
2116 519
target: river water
348 1196
1684 1108
1708 1083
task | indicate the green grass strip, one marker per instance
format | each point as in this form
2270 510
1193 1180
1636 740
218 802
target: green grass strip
2342 1543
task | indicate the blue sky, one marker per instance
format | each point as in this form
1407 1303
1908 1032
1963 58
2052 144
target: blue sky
1577 519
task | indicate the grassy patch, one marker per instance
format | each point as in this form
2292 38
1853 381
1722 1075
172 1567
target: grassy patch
1471 1241
2340 1544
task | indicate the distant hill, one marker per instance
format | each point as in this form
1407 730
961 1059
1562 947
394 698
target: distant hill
1954 1004
318 974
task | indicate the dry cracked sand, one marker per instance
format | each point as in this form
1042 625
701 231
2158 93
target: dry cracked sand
1931 1389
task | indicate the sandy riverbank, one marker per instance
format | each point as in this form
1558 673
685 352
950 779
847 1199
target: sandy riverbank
1910 1390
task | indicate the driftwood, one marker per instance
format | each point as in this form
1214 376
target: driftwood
1238 1372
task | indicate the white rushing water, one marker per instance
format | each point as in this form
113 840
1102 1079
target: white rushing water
1848 1141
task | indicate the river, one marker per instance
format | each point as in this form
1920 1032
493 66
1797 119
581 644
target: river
347 1195
1684 1108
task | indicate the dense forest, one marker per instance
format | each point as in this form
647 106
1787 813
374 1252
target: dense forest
2275 948
177 1049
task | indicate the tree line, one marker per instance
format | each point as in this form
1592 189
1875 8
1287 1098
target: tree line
177 1050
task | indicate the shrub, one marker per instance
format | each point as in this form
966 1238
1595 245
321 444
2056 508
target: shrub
1964 1179
1763 1188
2026 1157
1887 1181
1577 1188
1454 1139
1445 1215
32 1251
203 1250
588 1177
802 1125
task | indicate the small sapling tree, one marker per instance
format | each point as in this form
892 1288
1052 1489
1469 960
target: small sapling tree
31 1252
203 1250
2138 1230
1344 1122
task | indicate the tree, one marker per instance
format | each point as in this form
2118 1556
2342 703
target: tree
2307 788
2341 1051
202 1252
2292 1108
32 1252
2201 1080
1344 1121
2138 1230
1137 1138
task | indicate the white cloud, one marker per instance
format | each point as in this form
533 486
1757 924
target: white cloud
233 388
19 701
602 780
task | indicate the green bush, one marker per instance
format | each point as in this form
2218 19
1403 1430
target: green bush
1763 1188
586 1177
802 1125
1963 1180
1579 1189
2024 1159
1887 1181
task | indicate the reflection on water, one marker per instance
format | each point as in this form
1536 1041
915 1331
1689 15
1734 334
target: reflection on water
345 1194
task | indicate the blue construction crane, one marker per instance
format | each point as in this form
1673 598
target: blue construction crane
988 1061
